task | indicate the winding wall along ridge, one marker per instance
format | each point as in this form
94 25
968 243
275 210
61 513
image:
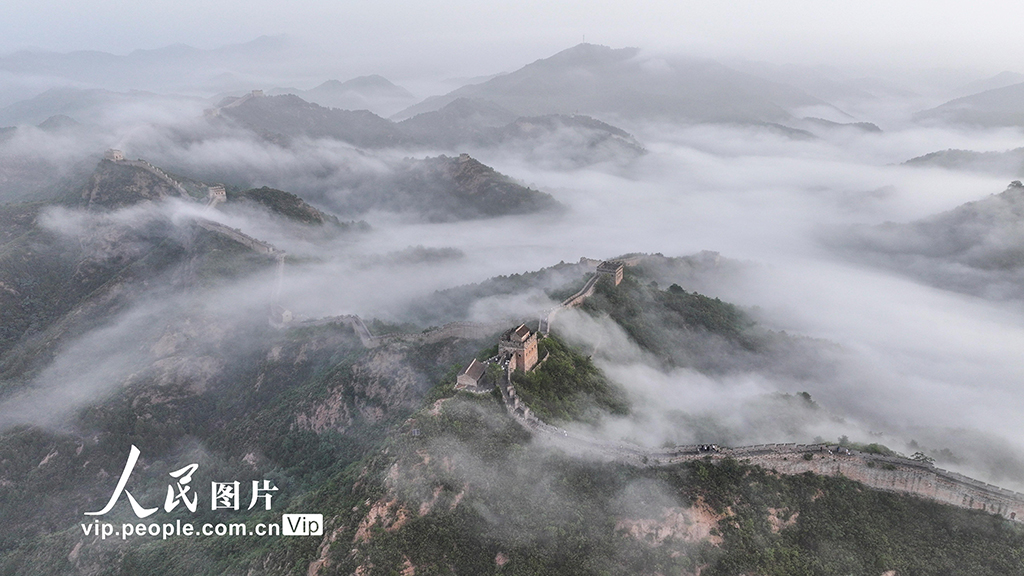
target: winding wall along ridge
889 473
238 236
893 474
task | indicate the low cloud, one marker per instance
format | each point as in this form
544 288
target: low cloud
906 357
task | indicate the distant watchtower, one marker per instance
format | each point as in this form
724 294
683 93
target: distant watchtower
611 268
216 195
520 344
464 158
113 155
257 93
280 316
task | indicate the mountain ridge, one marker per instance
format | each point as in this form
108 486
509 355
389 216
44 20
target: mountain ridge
603 81
996 107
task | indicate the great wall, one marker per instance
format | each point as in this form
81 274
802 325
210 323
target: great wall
466 330
216 195
160 174
888 473
239 236
233 103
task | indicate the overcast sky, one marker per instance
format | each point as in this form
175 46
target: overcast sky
931 33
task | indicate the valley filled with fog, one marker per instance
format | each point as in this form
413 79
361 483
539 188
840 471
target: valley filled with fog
919 361
828 206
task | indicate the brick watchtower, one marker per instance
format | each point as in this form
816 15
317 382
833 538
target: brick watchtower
521 344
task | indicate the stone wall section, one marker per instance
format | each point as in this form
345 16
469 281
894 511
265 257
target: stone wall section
158 173
466 330
238 236
893 474
889 473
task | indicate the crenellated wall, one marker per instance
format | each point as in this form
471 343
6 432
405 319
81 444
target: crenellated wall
156 172
467 330
899 475
238 236
890 473
573 301
894 474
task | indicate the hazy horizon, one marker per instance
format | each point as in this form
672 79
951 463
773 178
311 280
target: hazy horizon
467 39
855 229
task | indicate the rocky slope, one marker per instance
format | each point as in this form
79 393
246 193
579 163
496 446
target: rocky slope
470 493
118 184
286 204
113 337
445 189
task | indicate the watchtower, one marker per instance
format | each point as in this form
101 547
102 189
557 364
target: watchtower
611 268
520 344
280 316
113 155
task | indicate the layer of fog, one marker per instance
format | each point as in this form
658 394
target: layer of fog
916 360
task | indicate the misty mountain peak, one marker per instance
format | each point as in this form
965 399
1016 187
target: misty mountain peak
58 122
330 85
996 107
175 50
373 92
613 82
446 189
288 115
373 81
588 55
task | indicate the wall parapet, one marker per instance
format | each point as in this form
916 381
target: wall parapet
896 474
238 236
140 163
